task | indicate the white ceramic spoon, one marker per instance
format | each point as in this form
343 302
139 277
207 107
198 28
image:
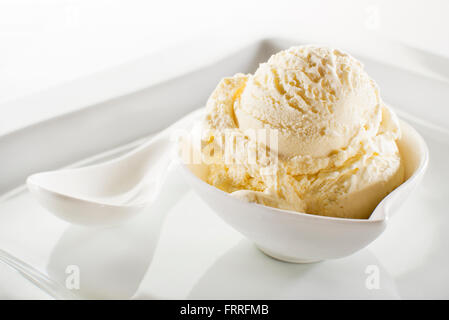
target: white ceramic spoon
110 192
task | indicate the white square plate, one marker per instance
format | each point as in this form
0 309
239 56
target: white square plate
192 253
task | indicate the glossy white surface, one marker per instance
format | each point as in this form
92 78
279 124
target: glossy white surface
195 254
199 256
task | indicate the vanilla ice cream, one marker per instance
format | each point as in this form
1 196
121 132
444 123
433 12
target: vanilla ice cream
335 151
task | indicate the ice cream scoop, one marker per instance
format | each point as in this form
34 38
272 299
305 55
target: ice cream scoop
335 151
318 94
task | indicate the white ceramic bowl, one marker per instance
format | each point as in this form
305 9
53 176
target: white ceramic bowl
299 237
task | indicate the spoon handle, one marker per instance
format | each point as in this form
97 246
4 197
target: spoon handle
161 149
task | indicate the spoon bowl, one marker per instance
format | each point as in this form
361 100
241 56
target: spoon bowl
300 237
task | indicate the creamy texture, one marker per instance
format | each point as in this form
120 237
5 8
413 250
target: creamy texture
336 152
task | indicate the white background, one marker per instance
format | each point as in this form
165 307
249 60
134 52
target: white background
45 43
